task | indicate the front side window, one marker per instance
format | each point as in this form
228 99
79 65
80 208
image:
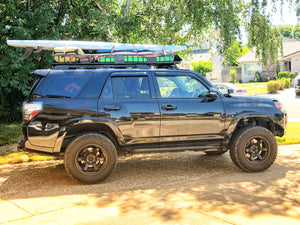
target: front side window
127 87
180 87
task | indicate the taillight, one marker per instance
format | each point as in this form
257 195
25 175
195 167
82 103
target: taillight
30 110
239 91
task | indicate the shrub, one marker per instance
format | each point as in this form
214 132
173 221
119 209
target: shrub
273 86
258 77
240 81
281 83
283 74
287 82
203 67
233 75
292 75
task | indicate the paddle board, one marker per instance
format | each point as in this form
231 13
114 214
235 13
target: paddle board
93 45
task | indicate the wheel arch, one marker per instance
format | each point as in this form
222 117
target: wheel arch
242 121
104 127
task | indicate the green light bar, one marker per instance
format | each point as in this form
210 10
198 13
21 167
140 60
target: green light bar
164 59
107 60
135 59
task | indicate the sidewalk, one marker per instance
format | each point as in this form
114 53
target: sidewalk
182 188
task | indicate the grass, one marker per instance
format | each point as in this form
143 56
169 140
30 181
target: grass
254 88
291 136
10 133
20 157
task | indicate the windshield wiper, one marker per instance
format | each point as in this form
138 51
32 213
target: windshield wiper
57 96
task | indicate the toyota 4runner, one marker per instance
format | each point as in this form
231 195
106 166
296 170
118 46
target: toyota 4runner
93 113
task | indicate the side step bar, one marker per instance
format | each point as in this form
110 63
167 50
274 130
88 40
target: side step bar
174 149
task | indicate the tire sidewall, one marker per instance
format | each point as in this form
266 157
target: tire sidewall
237 151
96 140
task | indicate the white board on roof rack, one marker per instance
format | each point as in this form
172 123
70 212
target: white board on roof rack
93 45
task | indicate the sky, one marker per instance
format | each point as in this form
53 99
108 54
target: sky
288 16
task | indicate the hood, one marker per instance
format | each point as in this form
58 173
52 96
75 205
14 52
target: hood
253 98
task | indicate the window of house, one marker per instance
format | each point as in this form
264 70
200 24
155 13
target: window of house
251 68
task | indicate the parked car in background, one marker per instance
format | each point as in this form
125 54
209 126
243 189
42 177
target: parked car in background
228 88
297 85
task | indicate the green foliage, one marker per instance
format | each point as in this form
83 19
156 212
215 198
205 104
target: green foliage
258 77
9 133
296 33
234 52
286 30
286 82
292 75
233 75
203 67
283 74
273 86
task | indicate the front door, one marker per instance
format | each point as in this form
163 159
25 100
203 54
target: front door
188 114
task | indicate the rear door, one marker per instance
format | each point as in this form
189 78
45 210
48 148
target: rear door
188 114
128 100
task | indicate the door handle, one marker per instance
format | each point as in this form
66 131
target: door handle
112 108
169 107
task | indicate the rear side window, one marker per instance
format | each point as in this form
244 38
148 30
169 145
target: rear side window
65 84
127 87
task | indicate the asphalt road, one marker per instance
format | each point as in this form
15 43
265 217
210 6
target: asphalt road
166 188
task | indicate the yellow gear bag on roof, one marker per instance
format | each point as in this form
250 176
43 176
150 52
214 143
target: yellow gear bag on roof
67 54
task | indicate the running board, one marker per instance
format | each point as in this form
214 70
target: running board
174 149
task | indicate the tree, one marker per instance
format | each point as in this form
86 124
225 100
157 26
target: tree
203 66
297 31
132 21
286 30
234 52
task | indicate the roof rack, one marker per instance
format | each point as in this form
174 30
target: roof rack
118 60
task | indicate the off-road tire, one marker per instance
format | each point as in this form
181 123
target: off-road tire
88 152
253 148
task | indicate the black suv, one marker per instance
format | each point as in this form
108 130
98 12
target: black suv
93 113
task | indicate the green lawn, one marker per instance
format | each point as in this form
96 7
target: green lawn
291 136
254 88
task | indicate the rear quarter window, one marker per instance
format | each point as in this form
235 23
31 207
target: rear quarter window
65 84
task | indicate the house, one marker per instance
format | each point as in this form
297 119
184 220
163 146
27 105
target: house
206 50
290 61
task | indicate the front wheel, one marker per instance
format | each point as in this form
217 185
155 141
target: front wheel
253 149
90 158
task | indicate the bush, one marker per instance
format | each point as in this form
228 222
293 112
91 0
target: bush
281 83
282 74
240 81
287 82
273 86
233 75
292 75
203 67
258 77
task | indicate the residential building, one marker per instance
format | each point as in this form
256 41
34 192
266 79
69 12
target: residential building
290 61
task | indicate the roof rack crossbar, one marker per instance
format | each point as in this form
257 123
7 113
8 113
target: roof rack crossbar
95 66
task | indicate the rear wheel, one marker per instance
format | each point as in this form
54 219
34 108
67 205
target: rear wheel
253 149
90 158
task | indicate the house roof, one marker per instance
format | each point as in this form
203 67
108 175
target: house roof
290 48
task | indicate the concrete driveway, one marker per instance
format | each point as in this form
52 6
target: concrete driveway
166 188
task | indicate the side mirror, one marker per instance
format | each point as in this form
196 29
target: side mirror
213 93
230 91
